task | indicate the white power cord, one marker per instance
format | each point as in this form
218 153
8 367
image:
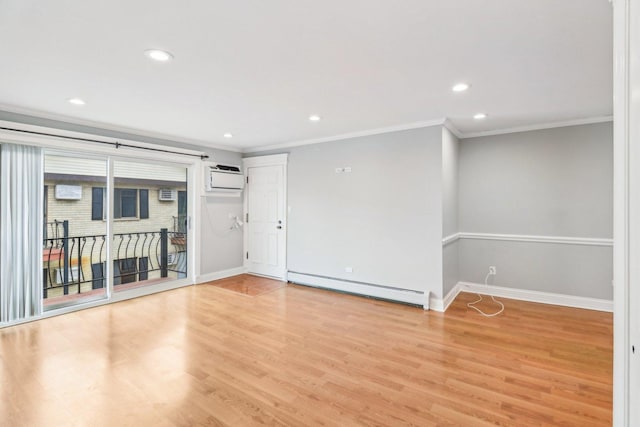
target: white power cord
472 304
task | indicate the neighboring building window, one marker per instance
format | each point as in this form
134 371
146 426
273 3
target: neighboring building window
143 268
97 203
97 273
124 271
144 204
125 203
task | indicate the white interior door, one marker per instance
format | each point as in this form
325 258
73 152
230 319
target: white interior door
266 242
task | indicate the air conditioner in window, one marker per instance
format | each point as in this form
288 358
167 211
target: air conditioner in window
223 179
172 259
167 195
73 275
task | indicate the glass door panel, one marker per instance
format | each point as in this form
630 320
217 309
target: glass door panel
149 226
74 247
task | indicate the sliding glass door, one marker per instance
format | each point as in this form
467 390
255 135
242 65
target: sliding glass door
83 258
83 228
74 247
149 224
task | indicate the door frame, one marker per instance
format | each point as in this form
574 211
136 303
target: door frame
626 271
253 162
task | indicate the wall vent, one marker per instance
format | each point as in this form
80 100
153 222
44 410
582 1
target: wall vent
167 195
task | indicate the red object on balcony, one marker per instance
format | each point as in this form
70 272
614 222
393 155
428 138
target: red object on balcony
52 255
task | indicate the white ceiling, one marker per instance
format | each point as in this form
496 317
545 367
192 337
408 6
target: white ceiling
259 68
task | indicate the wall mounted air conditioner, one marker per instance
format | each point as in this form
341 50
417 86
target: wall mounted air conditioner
223 179
73 275
172 259
167 195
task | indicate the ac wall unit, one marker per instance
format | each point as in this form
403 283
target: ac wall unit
73 275
167 195
223 179
172 259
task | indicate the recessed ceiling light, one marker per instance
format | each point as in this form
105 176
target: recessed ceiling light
480 116
314 118
76 101
460 87
158 55
228 135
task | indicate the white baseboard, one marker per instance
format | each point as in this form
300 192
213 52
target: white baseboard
366 289
441 305
536 296
220 274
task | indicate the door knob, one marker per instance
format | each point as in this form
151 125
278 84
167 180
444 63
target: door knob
279 227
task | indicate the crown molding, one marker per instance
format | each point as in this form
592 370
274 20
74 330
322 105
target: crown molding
540 126
444 121
114 128
377 131
454 130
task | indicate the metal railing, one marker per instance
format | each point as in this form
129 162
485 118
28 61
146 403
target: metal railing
180 224
78 264
56 229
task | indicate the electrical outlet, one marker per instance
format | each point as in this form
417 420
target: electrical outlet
348 269
492 270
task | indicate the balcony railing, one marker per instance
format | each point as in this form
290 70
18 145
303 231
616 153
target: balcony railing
77 264
180 224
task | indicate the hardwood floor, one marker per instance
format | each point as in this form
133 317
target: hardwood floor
249 285
298 356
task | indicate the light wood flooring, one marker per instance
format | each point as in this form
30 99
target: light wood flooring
297 356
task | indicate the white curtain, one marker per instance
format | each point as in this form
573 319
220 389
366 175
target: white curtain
21 189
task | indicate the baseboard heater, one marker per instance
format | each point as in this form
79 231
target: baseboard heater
406 296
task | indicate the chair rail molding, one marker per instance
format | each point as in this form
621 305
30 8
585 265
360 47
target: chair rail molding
565 240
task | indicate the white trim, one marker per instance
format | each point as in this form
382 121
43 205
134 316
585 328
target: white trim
454 130
626 166
450 239
540 126
537 296
443 304
37 114
586 241
446 122
359 288
217 275
349 135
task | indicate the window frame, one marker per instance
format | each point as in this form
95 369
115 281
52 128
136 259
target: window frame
137 199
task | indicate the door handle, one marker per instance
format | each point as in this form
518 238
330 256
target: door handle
279 227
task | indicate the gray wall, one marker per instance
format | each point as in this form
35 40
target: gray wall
384 218
553 182
450 155
220 247
219 250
